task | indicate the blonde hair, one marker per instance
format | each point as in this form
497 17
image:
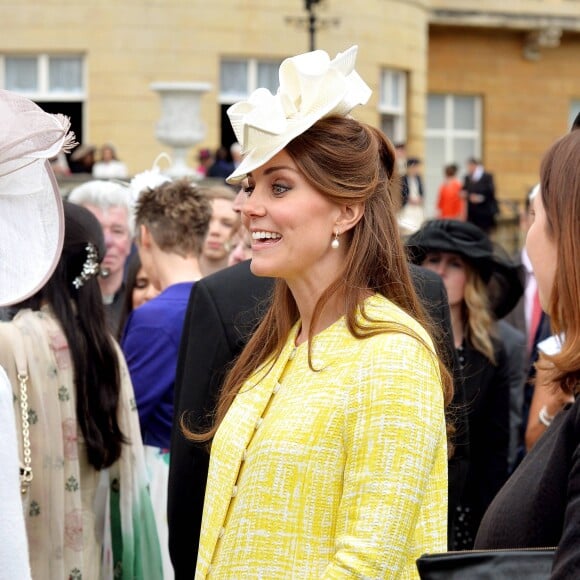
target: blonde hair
477 313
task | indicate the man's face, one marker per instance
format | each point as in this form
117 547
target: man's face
115 223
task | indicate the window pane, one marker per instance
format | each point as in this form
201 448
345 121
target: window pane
234 78
385 88
393 90
21 74
436 112
463 148
396 89
433 174
65 74
388 126
464 113
435 153
268 76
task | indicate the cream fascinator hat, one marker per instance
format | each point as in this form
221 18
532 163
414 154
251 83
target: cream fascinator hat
31 214
311 87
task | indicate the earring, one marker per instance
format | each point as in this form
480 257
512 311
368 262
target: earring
335 243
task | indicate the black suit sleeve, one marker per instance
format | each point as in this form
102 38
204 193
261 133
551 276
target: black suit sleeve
431 292
222 313
204 354
494 423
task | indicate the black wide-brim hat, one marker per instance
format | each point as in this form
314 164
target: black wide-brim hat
504 278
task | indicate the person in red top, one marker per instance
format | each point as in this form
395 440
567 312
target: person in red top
450 204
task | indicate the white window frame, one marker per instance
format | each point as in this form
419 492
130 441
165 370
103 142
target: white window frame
251 78
43 92
449 134
387 108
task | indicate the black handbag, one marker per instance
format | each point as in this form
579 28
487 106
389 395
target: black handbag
524 564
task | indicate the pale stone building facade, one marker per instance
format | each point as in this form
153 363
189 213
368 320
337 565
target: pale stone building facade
452 78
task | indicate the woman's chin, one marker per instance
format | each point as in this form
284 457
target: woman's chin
259 268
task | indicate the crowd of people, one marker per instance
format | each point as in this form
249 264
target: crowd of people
291 375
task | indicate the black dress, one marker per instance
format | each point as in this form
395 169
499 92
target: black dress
487 398
539 506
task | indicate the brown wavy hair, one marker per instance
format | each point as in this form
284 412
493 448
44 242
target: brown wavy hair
177 214
347 162
560 191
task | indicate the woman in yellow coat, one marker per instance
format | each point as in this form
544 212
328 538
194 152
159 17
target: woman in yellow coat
329 453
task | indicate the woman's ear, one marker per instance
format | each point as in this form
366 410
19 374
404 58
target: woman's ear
350 215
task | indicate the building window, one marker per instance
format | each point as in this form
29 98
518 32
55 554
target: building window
393 104
238 79
56 82
453 135
44 77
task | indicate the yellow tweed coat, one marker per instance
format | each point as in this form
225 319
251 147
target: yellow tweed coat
338 473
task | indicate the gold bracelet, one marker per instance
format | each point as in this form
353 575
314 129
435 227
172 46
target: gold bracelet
544 417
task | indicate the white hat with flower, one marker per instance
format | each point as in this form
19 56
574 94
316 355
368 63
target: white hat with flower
312 86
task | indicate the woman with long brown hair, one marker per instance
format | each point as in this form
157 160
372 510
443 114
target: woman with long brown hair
329 451
539 505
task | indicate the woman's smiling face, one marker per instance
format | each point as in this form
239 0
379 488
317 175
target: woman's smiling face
291 224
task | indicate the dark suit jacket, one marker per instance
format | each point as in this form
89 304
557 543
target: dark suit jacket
405 189
482 214
514 342
223 310
517 317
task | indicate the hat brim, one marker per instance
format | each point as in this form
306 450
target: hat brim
417 253
258 157
32 232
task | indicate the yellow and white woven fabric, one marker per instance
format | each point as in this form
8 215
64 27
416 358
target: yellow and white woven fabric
338 473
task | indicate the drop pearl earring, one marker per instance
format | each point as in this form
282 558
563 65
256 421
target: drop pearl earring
335 243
